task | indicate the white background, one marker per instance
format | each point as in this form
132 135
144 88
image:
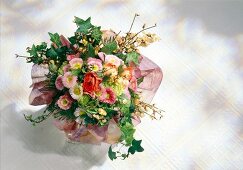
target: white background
200 52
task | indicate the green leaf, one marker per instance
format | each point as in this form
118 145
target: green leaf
55 38
41 47
111 154
137 145
89 120
83 26
72 40
111 112
127 133
84 100
51 53
109 47
121 56
91 51
132 57
125 109
131 150
140 80
33 51
76 72
78 20
105 78
132 108
96 33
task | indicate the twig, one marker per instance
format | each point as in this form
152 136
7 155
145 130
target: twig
136 15
21 56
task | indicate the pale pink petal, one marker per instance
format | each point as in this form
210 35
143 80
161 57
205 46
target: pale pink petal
72 56
133 84
69 80
76 62
58 83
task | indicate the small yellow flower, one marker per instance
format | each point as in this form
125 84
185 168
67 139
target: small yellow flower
80 49
136 101
84 42
96 116
102 112
124 101
103 120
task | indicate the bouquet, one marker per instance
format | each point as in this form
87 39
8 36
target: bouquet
96 85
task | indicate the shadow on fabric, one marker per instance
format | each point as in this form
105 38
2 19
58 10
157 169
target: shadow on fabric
45 138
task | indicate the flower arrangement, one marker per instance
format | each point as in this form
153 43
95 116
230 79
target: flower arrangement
93 84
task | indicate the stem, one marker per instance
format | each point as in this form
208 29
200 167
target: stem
144 30
136 15
21 56
121 147
131 40
117 35
140 32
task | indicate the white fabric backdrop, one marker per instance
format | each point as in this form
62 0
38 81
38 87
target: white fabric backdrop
200 52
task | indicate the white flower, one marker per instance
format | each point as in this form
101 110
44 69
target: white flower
79 112
76 91
78 120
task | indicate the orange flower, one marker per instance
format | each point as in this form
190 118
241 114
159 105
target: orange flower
91 83
127 73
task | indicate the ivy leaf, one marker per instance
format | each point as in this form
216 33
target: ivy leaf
137 145
127 133
131 150
111 154
132 108
109 47
55 38
72 40
83 26
125 109
91 51
132 57
33 51
96 34
51 53
42 46
78 20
